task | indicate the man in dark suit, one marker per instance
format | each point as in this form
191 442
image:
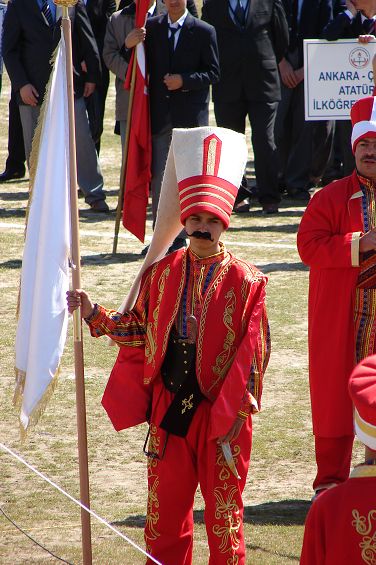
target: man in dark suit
182 60
357 19
99 12
294 135
252 38
30 35
160 8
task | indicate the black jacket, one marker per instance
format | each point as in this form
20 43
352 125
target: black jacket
342 27
195 58
28 45
249 56
315 15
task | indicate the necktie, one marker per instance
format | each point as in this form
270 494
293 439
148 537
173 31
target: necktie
171 40
369 25
46 11
240 13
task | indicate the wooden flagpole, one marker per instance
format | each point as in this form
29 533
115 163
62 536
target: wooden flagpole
76 283
125 155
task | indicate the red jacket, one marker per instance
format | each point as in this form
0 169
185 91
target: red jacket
232 337
341 524
328 241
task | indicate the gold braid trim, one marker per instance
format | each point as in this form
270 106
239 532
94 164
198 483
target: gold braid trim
214 285
225 358
177 303
41 405
151 328
363 526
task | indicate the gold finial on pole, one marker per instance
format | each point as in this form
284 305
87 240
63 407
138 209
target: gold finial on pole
65 4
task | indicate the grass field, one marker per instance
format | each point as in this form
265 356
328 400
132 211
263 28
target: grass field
278 490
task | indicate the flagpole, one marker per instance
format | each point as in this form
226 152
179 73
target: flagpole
125 155
76 283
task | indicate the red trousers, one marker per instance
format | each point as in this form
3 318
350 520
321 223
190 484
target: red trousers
333 458
172 483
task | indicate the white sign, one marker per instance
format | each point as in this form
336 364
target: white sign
336 75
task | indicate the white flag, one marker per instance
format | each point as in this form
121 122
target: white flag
43 316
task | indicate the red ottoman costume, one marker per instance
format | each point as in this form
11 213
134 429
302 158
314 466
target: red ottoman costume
341 524
341 310
226 297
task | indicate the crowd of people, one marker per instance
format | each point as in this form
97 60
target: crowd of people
251 56
198 390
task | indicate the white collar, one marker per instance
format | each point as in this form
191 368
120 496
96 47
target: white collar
179 22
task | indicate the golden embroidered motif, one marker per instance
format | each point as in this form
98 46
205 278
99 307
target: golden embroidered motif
187 404
364 526
152 515
204 312
227 510
151 328
225 358
177 304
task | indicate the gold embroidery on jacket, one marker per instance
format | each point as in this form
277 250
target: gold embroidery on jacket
177 304
225 358
227 510
363 526
152 515
204 313
151 327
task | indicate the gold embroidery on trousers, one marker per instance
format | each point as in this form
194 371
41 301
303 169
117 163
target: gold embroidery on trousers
152 515
227 509
363 526
151 328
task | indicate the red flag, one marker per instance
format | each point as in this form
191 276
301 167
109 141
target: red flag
138 162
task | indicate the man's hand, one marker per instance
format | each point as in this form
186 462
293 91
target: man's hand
29 95
287 73
367 242
173 82
233 432
366 38
299 75
79 297
134 37
89 89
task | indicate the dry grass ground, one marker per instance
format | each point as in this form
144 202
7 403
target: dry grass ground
278 490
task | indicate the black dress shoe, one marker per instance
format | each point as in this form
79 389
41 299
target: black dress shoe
11 175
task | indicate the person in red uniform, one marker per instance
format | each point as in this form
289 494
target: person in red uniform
341 523
193 350
337 239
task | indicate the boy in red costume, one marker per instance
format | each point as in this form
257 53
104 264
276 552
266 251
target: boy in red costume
337 239
341 524
194 348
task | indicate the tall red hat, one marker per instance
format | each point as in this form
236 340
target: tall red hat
362 388
363 119
209 163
